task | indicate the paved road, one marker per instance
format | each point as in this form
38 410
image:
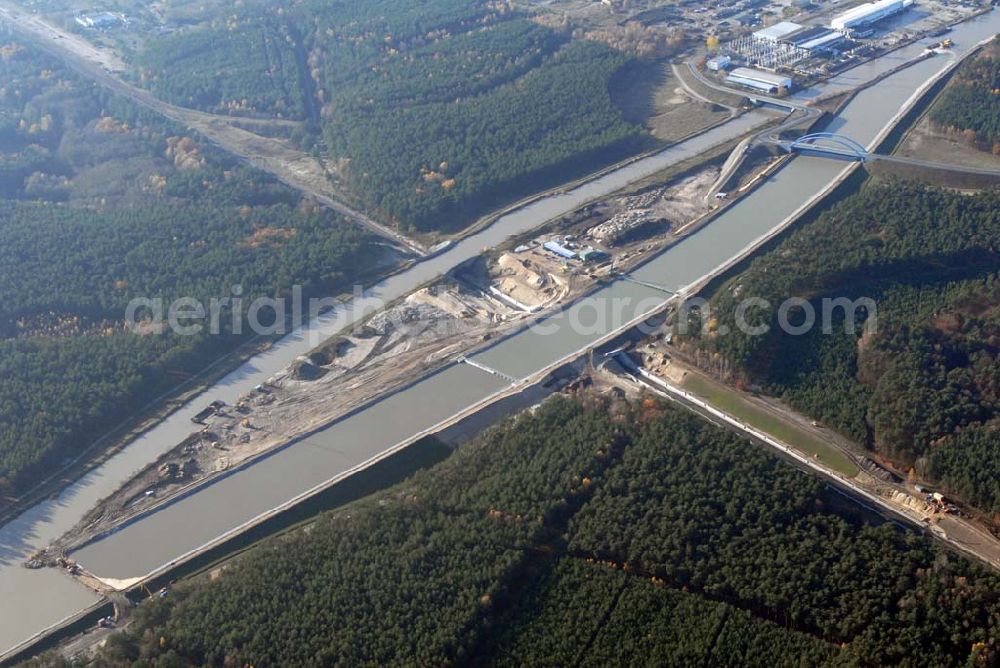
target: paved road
695 94
847 155
800 115
803 115
289 166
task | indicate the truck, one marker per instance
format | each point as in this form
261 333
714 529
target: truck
207 412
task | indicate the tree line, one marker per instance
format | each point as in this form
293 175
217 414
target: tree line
969 104
103 202
431 112
922 389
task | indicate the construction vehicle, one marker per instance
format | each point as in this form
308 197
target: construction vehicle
207 412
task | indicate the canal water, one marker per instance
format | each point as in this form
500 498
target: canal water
44 597
57 596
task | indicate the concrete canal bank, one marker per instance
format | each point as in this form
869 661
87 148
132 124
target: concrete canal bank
144 546
240 499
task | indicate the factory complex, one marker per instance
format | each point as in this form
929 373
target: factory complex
766 58
867 14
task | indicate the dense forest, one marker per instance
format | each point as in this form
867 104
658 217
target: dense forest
248 68
587 531
969 104
923 387
103 202
432 112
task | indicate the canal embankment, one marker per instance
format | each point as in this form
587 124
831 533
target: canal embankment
681 266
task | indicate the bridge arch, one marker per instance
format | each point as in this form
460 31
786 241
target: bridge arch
850 145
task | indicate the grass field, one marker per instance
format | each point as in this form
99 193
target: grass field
731 402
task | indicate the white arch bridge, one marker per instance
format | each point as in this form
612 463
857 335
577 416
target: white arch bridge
830 144
841 147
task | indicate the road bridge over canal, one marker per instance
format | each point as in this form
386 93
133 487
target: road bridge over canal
829 144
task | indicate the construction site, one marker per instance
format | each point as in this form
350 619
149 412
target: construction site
474 304
479 302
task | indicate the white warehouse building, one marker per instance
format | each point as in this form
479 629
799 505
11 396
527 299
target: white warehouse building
824 42
868 13
767 82
778 31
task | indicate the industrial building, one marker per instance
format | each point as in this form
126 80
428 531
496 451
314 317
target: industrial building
558 249
786 43
806 34
777 32
718 63
867 14
766 53
827 41
816 39
767 82
771 46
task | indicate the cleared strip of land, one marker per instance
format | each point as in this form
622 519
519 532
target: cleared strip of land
730 401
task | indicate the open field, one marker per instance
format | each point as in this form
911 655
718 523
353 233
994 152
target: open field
653 96
925 142
960 125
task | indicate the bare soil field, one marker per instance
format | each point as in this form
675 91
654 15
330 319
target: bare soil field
652 96
925 142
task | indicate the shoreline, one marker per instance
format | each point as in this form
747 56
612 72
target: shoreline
805 208
812 202
687 290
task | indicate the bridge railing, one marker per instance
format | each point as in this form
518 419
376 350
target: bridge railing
849 145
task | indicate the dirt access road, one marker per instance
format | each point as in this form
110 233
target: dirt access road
289 165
